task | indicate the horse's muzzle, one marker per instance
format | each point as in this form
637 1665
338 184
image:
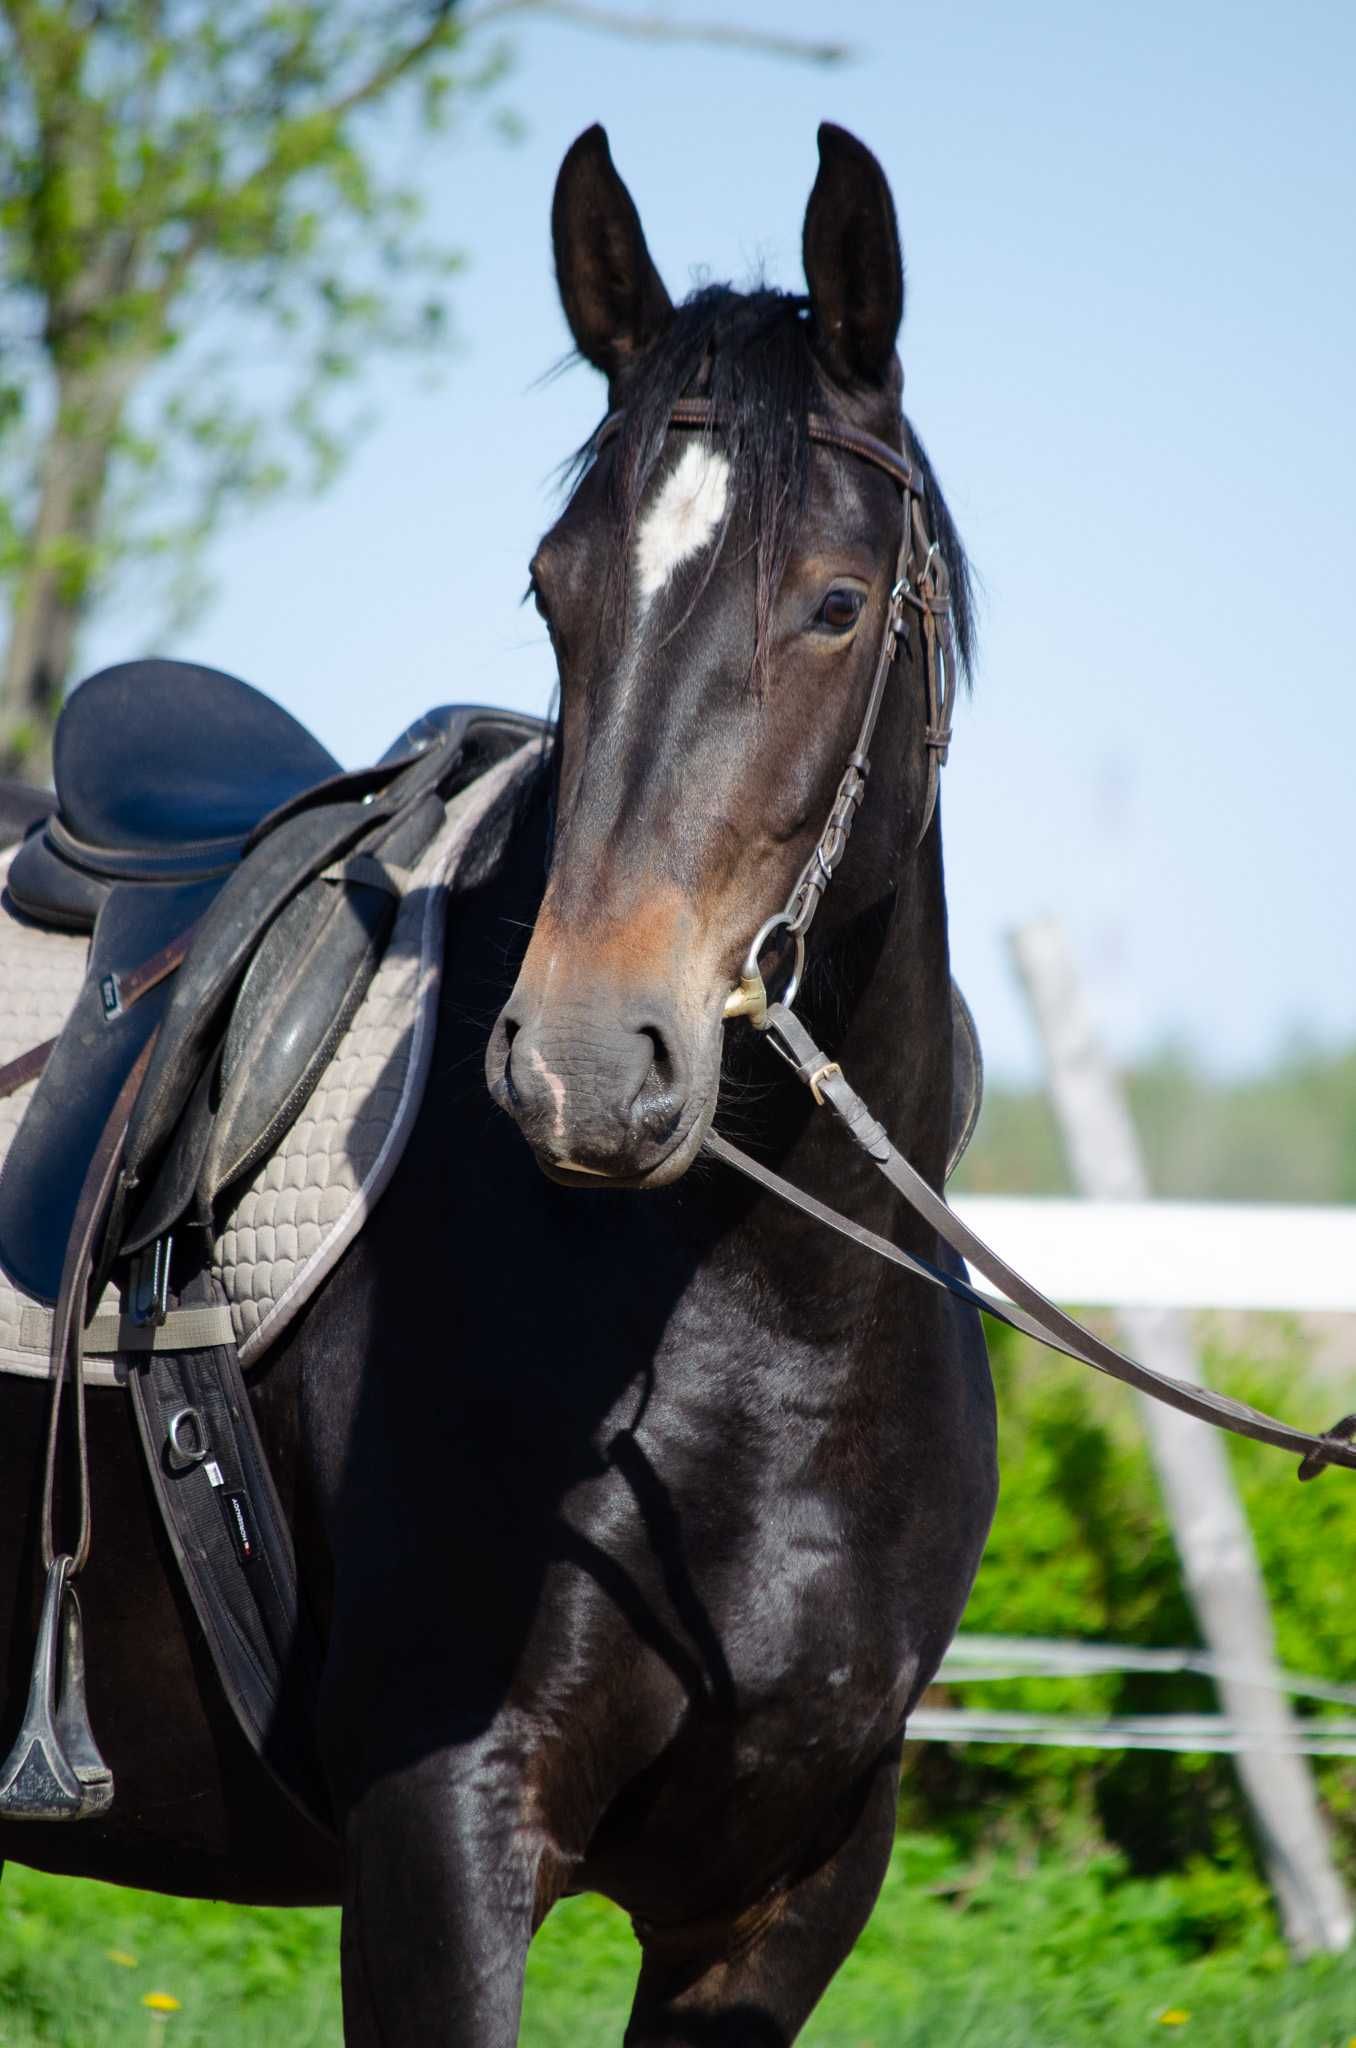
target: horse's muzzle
602 1091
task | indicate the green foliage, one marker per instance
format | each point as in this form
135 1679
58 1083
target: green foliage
156 163
1017 1952
1080 1549
1288 1135
1083 1899
77 1960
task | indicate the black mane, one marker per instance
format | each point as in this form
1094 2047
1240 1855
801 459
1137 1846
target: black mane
749 353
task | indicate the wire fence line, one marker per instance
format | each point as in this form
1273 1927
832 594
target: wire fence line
976 1657
1184 1734
980 1659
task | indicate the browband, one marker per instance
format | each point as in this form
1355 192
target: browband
829 432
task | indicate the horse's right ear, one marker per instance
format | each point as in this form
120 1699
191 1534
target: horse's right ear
613 296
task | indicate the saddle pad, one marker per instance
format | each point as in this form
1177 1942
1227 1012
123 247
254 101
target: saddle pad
309 1200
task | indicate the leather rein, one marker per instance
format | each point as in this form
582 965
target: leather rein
922 583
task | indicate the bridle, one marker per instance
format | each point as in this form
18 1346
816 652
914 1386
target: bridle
922 583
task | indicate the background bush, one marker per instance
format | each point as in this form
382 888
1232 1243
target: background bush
1081 1549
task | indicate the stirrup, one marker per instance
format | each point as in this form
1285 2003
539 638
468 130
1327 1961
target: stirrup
55 1771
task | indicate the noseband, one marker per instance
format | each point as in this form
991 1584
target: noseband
922 583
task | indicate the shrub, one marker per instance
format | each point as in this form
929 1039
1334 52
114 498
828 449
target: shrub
1080 1549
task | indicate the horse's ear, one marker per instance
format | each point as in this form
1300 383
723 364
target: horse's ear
613 296
852 262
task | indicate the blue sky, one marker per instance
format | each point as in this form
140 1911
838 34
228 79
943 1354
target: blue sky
1129 349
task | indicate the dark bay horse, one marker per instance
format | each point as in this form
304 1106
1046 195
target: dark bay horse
634 1522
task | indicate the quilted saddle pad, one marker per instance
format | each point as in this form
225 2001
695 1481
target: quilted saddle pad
309 1200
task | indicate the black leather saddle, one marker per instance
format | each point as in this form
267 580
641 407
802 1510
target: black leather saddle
21 808
200 826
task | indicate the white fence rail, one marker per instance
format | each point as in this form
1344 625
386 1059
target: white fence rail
1152 1254
1239 1255
977 1658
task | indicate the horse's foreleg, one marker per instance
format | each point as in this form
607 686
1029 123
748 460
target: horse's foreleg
438 1907
756 1987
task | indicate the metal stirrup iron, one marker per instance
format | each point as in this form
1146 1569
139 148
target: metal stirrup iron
55 1771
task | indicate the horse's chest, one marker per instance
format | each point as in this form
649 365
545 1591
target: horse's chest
754 1701
731 1649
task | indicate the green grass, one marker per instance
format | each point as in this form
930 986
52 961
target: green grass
1049 1953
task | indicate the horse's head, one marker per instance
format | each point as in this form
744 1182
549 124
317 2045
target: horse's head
718 598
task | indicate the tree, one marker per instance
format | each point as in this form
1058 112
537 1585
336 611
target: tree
160 159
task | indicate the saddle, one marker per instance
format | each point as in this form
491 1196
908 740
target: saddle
238 888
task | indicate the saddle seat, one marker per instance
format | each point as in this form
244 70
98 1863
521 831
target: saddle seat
165 759
196 817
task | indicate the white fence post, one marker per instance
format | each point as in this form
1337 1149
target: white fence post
1223 1578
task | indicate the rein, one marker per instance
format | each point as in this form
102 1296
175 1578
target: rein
1026 1308
922 583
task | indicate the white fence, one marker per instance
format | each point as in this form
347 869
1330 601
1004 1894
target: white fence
1239 1255
973 1658
1187 1255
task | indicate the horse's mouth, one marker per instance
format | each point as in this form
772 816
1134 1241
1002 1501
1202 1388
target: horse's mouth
660 1173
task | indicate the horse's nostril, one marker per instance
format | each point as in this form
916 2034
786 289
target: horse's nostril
661 1060
658 1104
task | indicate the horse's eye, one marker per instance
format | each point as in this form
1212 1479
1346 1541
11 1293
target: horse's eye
840 610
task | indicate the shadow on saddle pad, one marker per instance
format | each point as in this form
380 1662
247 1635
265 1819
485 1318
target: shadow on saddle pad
199 827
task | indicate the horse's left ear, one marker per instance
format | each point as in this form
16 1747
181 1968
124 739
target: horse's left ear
852 262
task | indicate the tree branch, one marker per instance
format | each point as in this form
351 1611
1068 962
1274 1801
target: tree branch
378 81
388 74
659 28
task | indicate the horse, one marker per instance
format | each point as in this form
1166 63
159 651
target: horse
634 1513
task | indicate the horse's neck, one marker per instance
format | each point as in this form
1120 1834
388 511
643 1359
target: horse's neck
884 1013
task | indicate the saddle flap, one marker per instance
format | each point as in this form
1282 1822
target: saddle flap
299 994
240 911
275 872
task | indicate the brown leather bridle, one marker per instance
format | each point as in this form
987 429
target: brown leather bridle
922 582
